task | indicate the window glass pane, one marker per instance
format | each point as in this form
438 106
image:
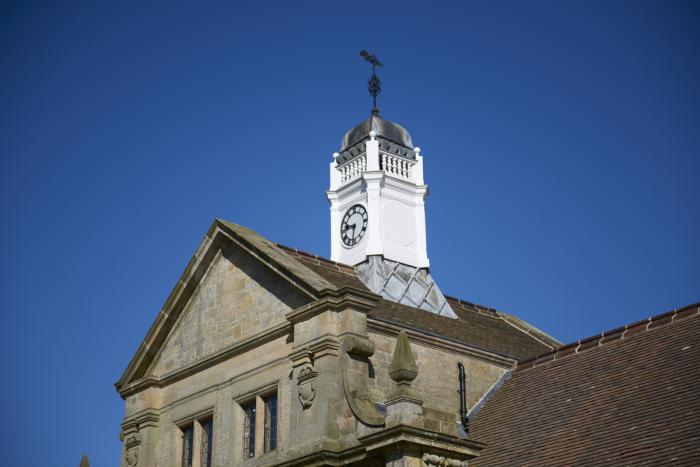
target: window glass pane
271 423
187 433
205 445
249 430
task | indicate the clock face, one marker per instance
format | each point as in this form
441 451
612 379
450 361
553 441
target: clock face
354 225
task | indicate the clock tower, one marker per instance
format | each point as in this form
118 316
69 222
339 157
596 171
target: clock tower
377 197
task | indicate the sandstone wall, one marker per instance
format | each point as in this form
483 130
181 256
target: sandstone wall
437 381
218 389
237 298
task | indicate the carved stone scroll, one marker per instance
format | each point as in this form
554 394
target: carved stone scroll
355 363
433 460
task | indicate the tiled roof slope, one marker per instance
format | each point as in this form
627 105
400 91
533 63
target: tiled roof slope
474 326
477 326
630 396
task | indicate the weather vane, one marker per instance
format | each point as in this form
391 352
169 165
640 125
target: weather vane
373 84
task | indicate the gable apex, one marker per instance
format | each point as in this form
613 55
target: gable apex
220 235
269 252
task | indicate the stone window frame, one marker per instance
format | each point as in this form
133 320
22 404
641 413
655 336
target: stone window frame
196 423
250 423
259 398
270 442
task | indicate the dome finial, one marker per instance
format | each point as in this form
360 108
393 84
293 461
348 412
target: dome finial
373 84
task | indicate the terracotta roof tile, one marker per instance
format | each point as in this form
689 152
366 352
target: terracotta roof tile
482 330
629 396
478 325
339 274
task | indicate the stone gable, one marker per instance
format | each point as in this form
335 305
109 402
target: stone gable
237 298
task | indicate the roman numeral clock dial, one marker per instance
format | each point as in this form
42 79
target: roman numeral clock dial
354 225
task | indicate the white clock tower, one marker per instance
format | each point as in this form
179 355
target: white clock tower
378 169
377 198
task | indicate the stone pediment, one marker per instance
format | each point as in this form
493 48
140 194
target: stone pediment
236 283
237 298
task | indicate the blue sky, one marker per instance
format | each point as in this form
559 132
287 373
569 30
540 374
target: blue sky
561 143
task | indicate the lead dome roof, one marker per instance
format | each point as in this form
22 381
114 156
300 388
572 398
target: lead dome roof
384 128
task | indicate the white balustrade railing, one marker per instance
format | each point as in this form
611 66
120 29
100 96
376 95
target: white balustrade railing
353 169
396 166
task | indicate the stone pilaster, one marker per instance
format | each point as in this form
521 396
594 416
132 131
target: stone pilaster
320 329
140 440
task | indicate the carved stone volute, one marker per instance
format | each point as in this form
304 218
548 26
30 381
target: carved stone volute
357 351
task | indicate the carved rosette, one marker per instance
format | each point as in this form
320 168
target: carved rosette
306 385
131 449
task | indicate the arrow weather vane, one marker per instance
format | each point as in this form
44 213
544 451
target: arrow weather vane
373 84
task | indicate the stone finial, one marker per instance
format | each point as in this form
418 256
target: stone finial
403 367
403 370
84 462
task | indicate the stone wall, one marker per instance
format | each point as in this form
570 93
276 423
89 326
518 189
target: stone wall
240 298
237 298
437 381
217 389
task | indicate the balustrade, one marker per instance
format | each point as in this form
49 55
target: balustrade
394 166
353 169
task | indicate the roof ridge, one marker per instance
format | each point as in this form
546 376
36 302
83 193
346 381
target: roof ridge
520 325
341 267
619 333
461 301
512 320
